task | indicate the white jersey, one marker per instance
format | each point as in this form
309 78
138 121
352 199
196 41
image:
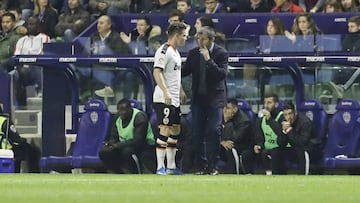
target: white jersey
169 60
31 45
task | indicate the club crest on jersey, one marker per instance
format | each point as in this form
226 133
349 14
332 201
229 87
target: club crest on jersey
166 120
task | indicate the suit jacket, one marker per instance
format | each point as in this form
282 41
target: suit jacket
216 69
48 22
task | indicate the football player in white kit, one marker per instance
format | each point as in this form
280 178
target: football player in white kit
167 96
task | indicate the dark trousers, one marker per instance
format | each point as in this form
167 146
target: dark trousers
29 153
279 159
120 160
207 130
246 160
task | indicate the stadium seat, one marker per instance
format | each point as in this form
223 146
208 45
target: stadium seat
343 137
136 104
315 112
93 129
246 108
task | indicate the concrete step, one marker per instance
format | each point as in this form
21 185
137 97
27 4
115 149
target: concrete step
27 129
27 117
34 103
28 121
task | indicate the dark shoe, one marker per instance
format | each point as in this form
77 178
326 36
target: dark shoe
202 172
213 172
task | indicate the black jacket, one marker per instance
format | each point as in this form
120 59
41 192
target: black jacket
303 135
13 136
351 42
216 69
113 42
239 130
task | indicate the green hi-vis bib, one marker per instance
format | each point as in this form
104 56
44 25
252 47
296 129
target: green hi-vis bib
269 134
127 133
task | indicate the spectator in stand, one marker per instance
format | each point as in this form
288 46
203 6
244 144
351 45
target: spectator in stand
282 6
25 6
275 39
57 4
163 6
144 36
108 7
47 15
72 22
311 6
255 6
84 5
206 20
184 6
304 31
232 6
213 6
30 44
176 16
140 6
108 42
332 6
351 44
8 39
351 41
19 23
349 5
237 134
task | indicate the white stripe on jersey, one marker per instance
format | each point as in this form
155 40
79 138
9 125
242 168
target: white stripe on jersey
169 60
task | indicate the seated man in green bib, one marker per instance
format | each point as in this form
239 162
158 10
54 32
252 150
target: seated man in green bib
131 134
270 141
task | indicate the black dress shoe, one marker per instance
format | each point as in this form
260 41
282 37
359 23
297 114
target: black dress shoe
202 172
213 172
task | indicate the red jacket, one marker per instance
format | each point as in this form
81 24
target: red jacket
293 9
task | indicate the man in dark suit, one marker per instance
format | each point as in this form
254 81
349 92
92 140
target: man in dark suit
208 66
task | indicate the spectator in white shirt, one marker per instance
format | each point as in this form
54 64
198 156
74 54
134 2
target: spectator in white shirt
30 44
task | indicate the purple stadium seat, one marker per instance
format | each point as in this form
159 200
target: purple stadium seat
92 131
246 108
344 134
136 104
313 109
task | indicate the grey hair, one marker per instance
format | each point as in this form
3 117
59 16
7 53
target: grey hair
208 31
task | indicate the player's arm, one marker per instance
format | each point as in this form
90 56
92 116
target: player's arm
160 81
183 96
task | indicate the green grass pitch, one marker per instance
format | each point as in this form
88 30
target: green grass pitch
102 188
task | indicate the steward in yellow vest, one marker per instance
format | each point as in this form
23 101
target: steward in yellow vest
23 151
